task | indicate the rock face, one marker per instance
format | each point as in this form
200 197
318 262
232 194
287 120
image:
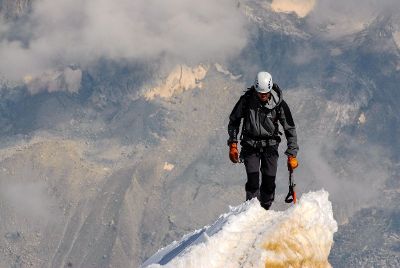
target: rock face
301 8
182 78
12 9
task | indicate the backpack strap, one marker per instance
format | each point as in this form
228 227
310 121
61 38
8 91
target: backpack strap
247 95
278 112
277 117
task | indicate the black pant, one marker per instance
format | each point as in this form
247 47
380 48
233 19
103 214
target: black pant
268 157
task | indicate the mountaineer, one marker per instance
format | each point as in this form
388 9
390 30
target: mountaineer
261 107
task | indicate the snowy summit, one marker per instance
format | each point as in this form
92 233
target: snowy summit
249 236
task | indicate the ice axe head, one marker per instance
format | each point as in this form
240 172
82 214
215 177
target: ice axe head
291 196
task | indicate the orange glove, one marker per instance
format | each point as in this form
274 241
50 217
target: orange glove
233 152
292 163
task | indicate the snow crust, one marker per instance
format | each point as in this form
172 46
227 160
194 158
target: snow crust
249 236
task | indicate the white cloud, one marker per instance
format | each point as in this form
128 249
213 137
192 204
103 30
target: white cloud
28 199
55 80
341 17
78 32
304 55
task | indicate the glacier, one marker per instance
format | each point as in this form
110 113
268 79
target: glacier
249 236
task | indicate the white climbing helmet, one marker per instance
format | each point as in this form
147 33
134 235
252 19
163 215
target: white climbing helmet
263 82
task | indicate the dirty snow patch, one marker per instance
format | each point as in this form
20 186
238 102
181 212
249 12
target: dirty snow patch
168 166
362 119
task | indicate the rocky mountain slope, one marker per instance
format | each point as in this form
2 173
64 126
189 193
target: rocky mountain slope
106 175
13 9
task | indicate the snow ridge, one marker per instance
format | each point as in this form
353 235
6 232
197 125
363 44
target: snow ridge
249 236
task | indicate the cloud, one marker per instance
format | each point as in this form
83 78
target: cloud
304 55
344 170
338 18
28 199
334 152
64 32
68 79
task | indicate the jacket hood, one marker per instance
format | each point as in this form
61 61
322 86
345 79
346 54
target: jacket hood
276 97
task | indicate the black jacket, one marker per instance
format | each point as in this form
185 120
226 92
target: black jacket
260 121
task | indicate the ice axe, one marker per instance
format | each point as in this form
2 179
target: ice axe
291 196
